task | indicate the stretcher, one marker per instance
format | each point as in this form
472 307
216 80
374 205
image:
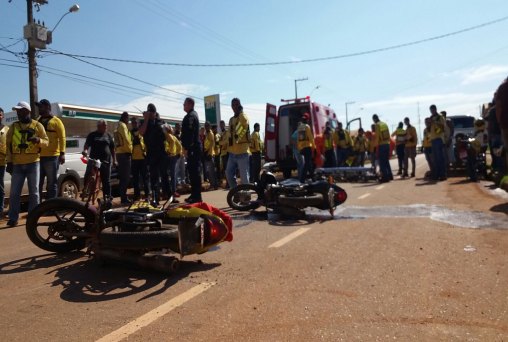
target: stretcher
348 174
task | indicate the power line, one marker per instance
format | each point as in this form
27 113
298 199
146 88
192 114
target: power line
310 60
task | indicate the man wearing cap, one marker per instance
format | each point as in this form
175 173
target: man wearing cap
3 151
239 141
53 154
123 151
305 145
24 141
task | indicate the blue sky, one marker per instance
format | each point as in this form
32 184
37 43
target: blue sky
457 73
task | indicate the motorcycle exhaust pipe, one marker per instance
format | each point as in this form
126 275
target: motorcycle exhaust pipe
155 262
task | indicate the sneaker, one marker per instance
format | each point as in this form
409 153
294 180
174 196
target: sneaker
12 223
412 174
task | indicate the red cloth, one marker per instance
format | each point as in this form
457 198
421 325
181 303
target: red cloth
225 217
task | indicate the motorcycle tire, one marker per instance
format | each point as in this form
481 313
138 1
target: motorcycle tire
243 187
301 202
48 208
151 239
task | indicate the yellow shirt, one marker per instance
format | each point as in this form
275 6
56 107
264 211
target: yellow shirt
123 140
426 138
400 136
305 137
437 127
255 143
342 139
239 134
360 144
224 143
18 155
138 146
3 145
328 141
56 136
411 137
209 145
382 134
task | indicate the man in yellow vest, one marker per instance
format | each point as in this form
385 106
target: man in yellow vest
174 150
328 148
54 154
216 158
255 150
24 141
209 156
410 149
400 145
239 141
123 151
437 137
3 151
343 144
224 145
139 168
305 145
383 145
360 147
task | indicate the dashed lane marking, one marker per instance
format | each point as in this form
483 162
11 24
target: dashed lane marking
380 187
288 238
364 195
150 317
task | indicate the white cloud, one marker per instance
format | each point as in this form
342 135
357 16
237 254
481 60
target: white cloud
484 73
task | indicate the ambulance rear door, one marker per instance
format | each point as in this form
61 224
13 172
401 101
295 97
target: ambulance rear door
271 125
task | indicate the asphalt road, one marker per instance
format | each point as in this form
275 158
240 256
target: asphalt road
407 260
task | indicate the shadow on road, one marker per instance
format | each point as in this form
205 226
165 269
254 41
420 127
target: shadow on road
500 208
84 280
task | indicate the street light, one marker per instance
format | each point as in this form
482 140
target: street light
348 103
74 8
298 80
316 88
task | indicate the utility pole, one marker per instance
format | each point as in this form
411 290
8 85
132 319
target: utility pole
296 89
32 64
419 122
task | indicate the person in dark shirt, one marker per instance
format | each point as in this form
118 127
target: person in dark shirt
192 148
102 147
154 136
495 139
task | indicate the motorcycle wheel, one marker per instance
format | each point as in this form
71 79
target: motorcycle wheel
244 197
151 239
302 201
54 224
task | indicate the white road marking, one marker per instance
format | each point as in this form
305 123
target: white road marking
364 195
288 238
150 317
380 187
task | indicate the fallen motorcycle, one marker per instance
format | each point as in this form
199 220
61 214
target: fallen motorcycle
288 197
140 234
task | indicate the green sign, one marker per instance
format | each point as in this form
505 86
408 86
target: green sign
212 109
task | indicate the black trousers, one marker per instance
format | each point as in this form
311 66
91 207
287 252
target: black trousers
194 163
140 172
255 166
158 168
308 167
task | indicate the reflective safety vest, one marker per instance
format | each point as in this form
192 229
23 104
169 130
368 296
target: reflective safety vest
382 133
20 139
305 138
239 134
138 146
400 136
360 144
328 142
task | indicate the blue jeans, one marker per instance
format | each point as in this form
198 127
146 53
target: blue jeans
173 161
240 162
300 162
49 170
384 162
30 172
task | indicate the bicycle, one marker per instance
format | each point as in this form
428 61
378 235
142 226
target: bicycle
93 183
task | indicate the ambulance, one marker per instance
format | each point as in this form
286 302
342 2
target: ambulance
282 122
